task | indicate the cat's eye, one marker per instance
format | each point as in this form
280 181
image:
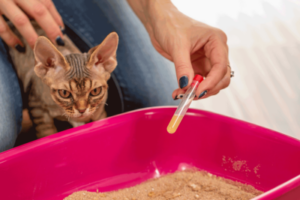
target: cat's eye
96 91
64 93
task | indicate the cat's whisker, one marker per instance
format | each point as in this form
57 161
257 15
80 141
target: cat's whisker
102 102
65 114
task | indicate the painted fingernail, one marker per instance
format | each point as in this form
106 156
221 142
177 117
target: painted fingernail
63 30
59 41
20 48
178 96
183 81
202 94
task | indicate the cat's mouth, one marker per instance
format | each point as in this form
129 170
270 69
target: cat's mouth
81 116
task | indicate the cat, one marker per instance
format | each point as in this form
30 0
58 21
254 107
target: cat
60 82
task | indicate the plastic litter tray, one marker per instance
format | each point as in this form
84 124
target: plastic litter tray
128 149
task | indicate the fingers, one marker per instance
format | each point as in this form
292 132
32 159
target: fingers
212 65
52 9
20 20
224 83
178 93
7 35
216 52
43 11
183 66
201 66
43 17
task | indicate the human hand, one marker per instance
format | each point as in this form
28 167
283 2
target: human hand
194 47
19 11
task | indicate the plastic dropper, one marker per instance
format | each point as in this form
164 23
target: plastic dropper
184 104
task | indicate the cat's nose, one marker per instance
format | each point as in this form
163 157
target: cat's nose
82 110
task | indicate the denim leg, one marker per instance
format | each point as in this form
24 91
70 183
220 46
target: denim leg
10 101
144 77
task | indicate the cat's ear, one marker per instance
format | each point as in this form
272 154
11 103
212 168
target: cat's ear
47 57
105 53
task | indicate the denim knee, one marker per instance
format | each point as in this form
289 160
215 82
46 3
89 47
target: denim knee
10 102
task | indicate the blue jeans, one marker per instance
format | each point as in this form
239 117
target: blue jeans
10 102
143 78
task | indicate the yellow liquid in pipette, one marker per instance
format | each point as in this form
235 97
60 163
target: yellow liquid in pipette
174 123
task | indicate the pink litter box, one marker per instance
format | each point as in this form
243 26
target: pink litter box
130 148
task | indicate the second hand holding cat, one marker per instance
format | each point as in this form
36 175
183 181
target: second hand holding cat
19 12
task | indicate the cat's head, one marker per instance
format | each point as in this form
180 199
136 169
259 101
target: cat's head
78 82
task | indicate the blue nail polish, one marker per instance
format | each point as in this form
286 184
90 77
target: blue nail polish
59 41
20 48
202 94
183 81
63 30
178 96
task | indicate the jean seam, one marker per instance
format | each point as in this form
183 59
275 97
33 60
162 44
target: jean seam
119 92
78 33
8 56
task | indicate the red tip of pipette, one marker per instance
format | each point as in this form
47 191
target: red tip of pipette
198 78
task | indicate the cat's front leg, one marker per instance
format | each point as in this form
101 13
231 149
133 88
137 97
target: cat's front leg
43 122
103 115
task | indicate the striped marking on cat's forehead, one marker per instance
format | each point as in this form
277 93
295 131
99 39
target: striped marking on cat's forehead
80 85
78 64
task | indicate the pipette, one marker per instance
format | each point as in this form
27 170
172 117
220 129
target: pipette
184 104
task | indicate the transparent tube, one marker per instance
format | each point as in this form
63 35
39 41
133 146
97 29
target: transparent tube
183 107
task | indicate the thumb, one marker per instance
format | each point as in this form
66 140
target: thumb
183 66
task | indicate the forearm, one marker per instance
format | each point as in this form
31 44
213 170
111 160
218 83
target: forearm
149 11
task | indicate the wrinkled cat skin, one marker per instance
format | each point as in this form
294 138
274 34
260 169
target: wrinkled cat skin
60 82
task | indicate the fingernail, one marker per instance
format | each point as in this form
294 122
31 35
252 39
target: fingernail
20 48
183 81
178 96
202 94
59 41
63 30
